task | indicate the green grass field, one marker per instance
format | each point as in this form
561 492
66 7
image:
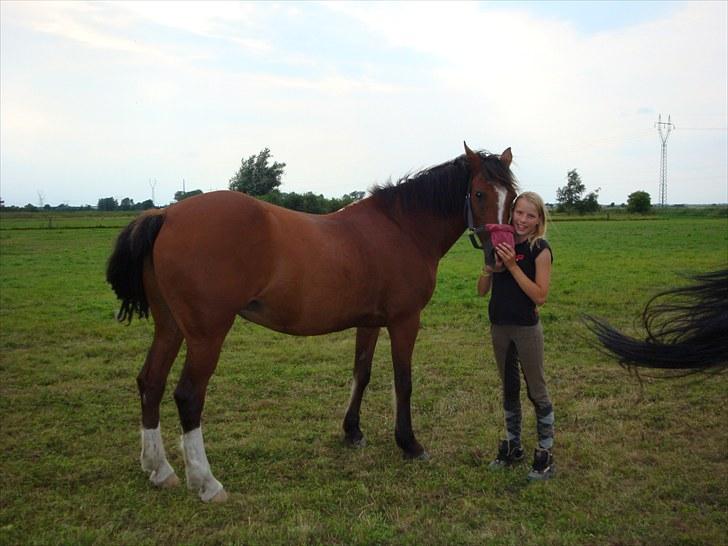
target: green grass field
639 463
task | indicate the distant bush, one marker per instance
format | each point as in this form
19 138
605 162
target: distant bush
639 202
310 202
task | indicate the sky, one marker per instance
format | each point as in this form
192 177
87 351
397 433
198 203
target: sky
137 99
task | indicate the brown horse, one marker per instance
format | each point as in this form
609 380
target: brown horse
201 262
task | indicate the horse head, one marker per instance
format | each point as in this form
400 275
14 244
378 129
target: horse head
491 192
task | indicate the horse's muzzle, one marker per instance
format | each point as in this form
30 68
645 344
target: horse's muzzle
497 234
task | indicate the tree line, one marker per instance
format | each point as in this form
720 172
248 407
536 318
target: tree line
260 178
570 198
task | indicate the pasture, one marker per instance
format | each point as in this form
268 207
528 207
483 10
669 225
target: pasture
639 462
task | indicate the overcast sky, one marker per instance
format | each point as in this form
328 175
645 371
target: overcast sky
97 99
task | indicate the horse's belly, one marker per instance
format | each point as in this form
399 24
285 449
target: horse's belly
311 320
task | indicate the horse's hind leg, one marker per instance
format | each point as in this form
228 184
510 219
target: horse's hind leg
151 382
366 341
202 357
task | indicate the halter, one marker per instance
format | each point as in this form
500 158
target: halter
473 229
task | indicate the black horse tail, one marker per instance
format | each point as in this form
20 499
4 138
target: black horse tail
124 271
688 331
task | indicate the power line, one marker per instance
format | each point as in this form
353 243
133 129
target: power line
704 128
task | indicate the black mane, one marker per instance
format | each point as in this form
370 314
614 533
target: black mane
441 189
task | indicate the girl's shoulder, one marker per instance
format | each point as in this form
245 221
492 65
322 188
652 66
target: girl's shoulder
539 245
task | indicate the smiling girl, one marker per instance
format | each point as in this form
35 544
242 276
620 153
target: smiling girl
520 284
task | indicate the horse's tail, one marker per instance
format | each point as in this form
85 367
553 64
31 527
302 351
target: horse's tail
688 332
124 271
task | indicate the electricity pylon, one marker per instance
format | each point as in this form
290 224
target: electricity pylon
152 185
664 128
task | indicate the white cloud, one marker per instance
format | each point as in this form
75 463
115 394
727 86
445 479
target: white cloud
76 21
212 19
568 99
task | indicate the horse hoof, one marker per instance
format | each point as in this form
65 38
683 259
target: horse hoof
171 481
357 444
423 456
220 497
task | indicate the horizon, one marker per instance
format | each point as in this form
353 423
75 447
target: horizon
61 207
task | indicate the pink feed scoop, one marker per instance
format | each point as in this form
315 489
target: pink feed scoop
501 233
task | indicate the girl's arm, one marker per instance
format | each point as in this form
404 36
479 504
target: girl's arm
486 277
537 290
484 282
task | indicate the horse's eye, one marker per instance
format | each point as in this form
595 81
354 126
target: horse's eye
479 194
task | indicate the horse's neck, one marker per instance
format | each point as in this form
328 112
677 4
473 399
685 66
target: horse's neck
432 233
436 233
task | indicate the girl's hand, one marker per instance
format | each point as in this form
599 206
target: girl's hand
506 255
498 268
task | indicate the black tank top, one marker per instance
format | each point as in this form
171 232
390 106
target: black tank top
509 305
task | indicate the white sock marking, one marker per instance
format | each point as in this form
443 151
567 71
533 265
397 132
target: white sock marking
153 456
197 468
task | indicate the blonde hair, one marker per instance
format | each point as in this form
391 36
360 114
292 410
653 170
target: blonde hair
536 200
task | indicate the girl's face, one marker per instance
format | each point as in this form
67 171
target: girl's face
525 218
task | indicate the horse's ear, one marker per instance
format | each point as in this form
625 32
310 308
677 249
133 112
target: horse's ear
506 157
473 159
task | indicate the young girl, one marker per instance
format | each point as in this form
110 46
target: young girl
520 283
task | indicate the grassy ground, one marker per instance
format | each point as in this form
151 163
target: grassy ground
638 463
64 220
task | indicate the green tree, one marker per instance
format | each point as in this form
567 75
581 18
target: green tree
127 204
293 201
107 203
336 203
352 197
589 204
639 201
256 177
310 202
182 195
569 196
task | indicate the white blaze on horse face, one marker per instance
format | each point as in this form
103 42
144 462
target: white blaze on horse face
502 213
197 469
154 459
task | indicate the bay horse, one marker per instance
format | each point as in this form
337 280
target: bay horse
686 328
200 263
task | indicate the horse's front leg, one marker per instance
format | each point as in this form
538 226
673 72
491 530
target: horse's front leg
366 342
154 459
403 335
